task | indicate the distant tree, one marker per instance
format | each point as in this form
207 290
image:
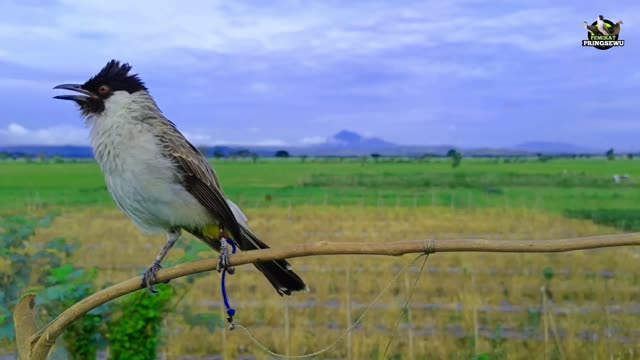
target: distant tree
28 158
611 155
282 154
303 158
543 157
630 156
4 155
242 153
254 157
376 156
42 157
58 159
456 157
218 154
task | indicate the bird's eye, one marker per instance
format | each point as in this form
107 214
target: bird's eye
104 90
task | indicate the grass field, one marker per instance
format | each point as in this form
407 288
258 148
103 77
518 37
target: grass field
556 185
496 297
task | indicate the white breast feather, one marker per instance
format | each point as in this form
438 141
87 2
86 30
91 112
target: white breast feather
139 178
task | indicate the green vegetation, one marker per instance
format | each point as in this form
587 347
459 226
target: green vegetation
555 185
625 219
45 269
19 262
65 286
373 198
456 157
136 334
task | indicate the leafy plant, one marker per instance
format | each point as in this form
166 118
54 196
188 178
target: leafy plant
497 341
65 286
58 282
136 333
534 317
18 263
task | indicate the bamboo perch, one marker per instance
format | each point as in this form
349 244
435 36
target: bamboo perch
35 344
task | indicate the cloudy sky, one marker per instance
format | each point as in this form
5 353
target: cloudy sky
461 72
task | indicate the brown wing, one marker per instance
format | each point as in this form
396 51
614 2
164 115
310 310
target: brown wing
197 176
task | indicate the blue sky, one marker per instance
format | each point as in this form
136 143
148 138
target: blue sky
460 72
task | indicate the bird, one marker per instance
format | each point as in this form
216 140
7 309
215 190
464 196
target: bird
592 29
162 182
615 29
602 26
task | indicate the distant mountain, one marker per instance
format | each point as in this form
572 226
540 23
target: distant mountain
352 140
345 143
553 148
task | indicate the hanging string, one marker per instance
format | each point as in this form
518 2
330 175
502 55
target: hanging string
348 330
405 308
230 311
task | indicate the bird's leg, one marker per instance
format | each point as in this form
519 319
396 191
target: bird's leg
223 259
149 278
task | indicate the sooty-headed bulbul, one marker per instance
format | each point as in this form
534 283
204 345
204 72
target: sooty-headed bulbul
158 178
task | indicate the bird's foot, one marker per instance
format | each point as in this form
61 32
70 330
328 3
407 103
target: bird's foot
223 259
150 277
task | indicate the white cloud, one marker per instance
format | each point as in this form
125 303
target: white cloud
269 142
260 87
16 134
313 140
198 139
71 27
16 129
308 33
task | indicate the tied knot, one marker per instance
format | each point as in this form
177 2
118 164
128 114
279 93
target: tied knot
429 246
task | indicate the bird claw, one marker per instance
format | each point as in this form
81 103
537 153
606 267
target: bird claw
150 277
223 259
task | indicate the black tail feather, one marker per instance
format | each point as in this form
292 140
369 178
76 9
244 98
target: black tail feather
278 272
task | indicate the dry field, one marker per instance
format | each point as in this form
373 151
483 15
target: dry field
595 311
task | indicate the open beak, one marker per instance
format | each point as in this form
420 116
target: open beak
77 88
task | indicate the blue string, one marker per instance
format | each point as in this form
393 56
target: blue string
230 311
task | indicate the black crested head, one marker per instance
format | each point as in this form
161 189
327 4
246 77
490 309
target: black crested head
116 76
112 78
